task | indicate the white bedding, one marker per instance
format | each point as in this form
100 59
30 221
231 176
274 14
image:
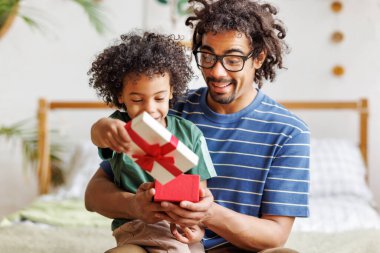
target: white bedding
338 214
340 200
342 216
337 169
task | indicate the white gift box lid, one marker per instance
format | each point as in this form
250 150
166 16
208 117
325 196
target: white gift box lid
154 133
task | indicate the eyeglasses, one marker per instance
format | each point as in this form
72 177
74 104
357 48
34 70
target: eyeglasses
233 63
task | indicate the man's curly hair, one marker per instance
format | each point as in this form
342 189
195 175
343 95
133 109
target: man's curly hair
251 18
147 54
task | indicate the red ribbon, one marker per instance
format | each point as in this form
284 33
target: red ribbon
154 153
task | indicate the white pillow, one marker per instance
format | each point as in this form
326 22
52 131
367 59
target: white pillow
82 166
337 168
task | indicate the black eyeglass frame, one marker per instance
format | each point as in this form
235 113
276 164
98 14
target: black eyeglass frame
219 58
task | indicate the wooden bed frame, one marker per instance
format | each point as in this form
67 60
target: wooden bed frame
45 106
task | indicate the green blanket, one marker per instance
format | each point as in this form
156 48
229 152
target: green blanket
77 230
30 238
65 213
73 229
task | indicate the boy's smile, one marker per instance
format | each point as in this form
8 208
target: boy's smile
150 94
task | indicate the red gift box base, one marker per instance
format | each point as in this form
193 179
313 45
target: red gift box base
183 187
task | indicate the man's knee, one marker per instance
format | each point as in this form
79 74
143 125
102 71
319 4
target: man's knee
128 248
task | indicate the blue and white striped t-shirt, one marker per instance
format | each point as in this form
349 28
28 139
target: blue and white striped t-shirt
261 156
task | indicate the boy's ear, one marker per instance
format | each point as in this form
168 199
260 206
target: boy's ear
171 92
120 99
259 60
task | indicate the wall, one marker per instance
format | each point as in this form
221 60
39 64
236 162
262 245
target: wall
54 65
51 64
310 24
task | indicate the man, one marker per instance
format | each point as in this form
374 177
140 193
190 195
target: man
259 149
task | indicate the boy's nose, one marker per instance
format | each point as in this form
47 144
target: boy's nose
149 107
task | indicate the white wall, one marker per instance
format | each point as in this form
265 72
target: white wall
310 24
54 65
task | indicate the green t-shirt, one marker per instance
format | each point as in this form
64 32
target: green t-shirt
129 176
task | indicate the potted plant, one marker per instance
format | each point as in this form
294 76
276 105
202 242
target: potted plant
10 9
26 133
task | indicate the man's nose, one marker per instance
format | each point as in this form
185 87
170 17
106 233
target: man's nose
218 70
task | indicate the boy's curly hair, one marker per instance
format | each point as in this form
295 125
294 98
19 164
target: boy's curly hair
146 54
251 18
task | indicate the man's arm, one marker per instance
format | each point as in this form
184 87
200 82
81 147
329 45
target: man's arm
249 232
104 197
243 231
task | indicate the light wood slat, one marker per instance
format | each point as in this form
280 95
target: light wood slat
321 105
364 133
44 171
77 105
43 164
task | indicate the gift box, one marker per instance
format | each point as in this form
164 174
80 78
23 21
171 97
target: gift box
156 150
183 187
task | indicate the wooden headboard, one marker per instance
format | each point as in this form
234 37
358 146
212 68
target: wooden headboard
45 106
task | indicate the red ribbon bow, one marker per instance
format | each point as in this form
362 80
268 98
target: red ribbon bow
154 153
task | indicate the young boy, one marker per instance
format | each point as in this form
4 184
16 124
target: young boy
146 73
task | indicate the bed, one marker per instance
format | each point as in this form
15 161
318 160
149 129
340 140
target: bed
343 214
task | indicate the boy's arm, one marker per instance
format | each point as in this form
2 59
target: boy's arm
104 197
110 133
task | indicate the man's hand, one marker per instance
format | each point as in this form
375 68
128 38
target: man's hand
187 213
110 133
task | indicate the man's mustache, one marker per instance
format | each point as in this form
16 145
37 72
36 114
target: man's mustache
221 80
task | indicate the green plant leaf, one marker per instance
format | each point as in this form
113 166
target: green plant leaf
94 13
162 1
92 8
26 132
31 22
181 7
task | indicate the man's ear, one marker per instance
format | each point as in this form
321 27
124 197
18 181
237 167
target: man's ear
259 60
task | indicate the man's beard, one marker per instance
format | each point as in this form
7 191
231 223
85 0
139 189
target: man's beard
221 99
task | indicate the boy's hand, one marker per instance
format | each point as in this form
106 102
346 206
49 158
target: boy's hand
110 133
145 208
187 235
